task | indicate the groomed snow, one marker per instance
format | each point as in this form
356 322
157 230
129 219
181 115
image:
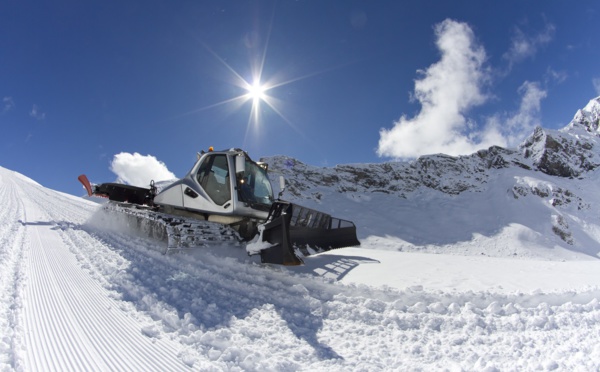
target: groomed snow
76 296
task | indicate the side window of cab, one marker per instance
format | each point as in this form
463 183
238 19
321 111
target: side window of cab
213 176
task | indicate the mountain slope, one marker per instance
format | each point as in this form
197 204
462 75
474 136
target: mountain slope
543 191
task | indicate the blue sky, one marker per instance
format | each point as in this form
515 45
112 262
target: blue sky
350 81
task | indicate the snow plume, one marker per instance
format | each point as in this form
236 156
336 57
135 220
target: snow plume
516 126
527 118
446 91
138 170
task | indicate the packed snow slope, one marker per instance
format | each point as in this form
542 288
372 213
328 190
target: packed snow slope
488 262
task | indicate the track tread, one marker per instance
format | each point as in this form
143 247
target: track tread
178 232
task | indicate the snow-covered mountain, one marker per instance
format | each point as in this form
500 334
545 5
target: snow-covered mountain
551 176
569 152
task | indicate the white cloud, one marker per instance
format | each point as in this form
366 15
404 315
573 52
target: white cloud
526 46
451 87
36 113
596 82
8 104
138 170
516 126
446 91
555 76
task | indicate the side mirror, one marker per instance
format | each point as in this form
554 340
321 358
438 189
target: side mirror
281 186
240 164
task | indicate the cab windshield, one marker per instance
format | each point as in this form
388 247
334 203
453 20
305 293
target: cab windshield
255 187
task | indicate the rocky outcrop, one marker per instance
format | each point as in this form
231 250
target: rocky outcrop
570 152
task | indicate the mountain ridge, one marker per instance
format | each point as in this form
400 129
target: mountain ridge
569 152
550 172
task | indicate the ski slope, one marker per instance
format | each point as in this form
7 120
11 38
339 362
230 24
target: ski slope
75 295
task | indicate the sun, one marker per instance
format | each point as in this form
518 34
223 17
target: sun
256 92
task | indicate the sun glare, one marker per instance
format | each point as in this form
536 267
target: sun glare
256 92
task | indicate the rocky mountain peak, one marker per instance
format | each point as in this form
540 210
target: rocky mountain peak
571 151
588 117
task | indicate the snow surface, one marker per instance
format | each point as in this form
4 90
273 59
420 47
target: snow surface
75 296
